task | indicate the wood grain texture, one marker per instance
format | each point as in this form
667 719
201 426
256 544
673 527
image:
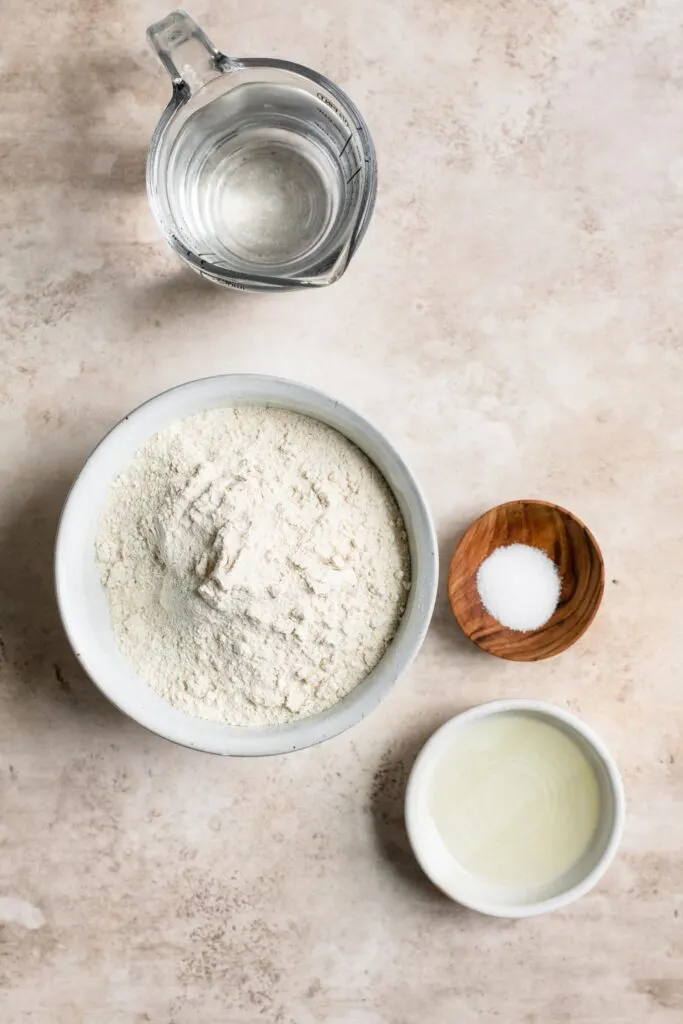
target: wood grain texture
565 540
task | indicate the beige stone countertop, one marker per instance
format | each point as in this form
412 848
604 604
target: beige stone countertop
514 323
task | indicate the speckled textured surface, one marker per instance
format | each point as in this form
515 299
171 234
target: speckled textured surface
513 323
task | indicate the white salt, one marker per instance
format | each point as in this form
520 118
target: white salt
519 586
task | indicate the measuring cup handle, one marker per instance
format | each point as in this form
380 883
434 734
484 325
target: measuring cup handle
185 50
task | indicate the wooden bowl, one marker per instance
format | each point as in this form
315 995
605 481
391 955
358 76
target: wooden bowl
566 541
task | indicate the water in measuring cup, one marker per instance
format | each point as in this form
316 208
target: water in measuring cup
258 179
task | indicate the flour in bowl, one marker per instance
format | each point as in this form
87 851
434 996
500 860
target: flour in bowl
256 565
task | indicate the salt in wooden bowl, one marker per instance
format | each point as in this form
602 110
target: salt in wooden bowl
566 541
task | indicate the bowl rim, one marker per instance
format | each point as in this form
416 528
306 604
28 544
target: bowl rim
590 618
415 795
350 710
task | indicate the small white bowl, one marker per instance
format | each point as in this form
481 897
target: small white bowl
444 871
83 603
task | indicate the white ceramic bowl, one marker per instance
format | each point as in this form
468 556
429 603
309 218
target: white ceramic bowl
451 878
83 604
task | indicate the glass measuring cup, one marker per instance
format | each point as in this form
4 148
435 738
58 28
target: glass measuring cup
261 173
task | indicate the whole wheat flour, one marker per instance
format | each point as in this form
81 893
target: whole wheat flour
256 565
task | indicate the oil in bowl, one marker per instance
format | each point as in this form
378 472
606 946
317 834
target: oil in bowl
514 808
